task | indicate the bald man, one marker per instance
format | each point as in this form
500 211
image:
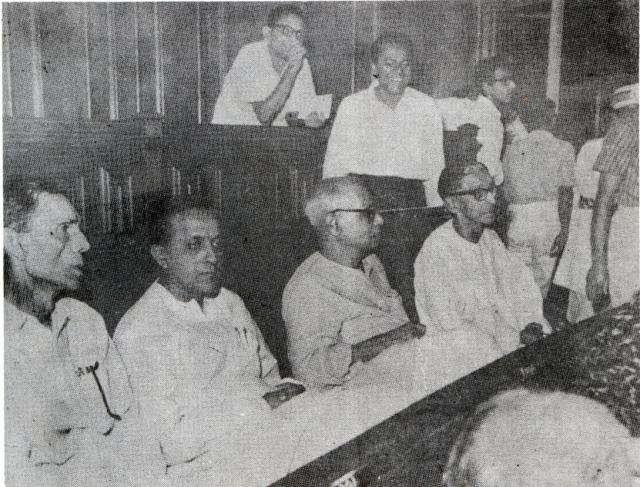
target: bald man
338 307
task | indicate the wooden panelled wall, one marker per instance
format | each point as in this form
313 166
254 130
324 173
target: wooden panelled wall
113 61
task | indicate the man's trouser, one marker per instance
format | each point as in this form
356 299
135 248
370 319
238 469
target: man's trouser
532 231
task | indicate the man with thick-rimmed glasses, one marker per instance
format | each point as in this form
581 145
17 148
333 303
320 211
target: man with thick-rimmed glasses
338 307
271 77
464 276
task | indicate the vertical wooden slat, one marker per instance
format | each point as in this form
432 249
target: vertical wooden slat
87 59
130 199
199 63
354 39
111 66
36 65
137 55
158 61
6 68
222 41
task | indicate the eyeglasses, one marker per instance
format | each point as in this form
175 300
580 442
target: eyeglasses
369 213
480 194
289 31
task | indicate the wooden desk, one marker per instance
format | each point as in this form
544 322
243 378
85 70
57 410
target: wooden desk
411 448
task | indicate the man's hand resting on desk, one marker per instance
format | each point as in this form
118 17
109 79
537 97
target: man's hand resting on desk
531 333
315 120
372 347
282 393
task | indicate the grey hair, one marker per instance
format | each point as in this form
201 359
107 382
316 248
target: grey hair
321 201
526 438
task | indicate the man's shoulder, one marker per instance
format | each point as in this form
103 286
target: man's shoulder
438 242
421 97
138 318
356 100
306 272
251 51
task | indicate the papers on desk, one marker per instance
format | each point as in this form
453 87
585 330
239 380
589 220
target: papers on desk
320 104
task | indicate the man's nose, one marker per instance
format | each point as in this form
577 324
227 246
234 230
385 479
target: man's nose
211 254
80 243
378 220
491 197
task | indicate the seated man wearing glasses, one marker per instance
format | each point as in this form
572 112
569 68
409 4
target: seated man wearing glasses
70 416
464 275
271 77
338 307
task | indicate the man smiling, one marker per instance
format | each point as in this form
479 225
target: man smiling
391 135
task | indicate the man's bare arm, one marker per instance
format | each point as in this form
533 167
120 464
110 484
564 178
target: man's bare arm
565 204
604 208
372 347
267 110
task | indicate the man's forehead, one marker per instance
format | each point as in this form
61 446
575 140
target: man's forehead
476 178
194 224
502 74
394 51
52 209
353 196
292 20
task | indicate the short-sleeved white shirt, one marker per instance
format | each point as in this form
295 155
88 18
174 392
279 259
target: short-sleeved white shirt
368 137
252 79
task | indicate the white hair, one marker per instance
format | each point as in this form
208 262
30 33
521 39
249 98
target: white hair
326 197
544 439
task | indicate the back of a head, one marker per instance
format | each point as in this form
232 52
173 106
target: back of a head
540 439
537 112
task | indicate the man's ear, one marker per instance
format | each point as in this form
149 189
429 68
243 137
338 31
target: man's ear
160 255
451 204
374 70
12 244
266 32
332 224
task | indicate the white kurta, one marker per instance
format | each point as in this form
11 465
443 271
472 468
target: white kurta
460 284
58 430
198 374
253 79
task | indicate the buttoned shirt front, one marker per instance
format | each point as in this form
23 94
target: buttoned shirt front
253 79
535 166
327 307
197 372
369 137
484 114
56 418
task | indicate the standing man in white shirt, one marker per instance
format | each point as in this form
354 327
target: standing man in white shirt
271 77
391 134
492 93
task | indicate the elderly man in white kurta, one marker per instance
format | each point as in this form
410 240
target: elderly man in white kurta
271 77
197 361
338 307
70 416
464 275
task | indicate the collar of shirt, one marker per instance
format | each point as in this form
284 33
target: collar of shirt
405 99
16 320
190 308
